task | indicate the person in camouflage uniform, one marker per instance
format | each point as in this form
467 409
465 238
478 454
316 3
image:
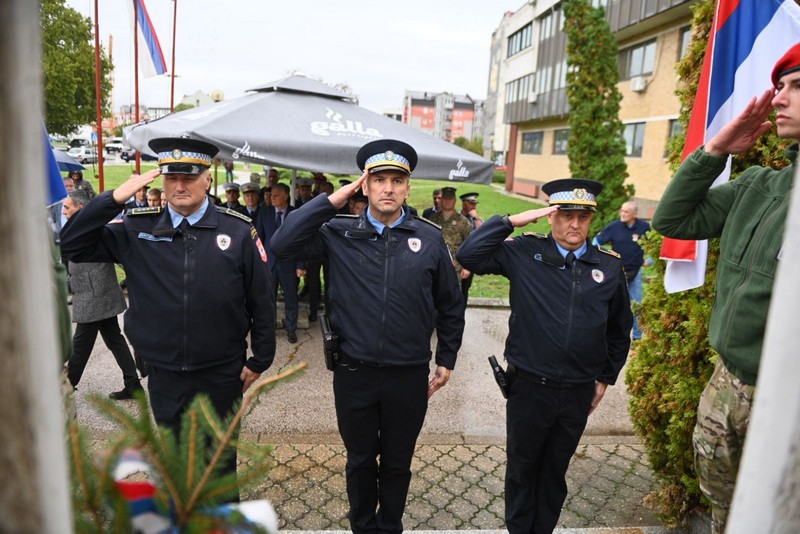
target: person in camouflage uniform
749 214
455 227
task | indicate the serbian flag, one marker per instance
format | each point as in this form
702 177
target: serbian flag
149 47
746 39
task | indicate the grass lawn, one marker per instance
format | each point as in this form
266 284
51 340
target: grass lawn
493 200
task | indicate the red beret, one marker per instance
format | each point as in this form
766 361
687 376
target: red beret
790 62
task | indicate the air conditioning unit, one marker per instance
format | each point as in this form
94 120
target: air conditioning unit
532 98
638 84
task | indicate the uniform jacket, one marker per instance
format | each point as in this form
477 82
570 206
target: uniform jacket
570 325
193 298
266 229
454 230
96 292
240 208
388 292
749 214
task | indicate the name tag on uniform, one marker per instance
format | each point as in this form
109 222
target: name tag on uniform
151 237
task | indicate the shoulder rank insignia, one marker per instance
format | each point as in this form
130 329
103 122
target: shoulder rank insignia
234 213
423 219
145 211
346 216
609 252
538 235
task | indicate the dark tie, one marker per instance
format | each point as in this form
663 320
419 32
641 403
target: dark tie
278 218
570 258
184 225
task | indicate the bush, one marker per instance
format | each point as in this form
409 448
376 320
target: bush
499 177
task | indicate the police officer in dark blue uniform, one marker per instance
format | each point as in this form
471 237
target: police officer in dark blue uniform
392 283
569 335
197 278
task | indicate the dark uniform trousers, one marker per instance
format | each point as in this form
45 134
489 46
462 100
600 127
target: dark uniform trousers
380 411
544 426
83 344
171 392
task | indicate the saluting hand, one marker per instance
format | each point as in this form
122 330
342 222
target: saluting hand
133 184
531 216
742 132
340 197
439 379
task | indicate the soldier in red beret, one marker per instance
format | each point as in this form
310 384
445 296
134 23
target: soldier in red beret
749 213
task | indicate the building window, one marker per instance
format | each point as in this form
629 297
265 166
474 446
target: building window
683 45
520 40
518 89
599 3
561 141
675 128
637 60
634 139
532 142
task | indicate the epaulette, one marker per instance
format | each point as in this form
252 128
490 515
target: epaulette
609 252
538 235
150 210
427 221
228 211
346 216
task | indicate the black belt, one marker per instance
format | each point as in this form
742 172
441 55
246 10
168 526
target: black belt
347 360
542 380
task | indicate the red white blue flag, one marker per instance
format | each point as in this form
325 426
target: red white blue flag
149 47
746 40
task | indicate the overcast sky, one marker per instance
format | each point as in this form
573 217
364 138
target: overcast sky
379 48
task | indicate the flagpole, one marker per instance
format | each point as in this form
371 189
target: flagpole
98 98
172 82
136 74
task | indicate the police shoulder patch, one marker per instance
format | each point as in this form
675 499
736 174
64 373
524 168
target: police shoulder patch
426 221
145 211
233 213
538 235
609 252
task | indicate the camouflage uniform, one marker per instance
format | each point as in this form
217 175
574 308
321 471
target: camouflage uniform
722 419
455 230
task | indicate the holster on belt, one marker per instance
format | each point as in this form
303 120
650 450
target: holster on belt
330 343
499 376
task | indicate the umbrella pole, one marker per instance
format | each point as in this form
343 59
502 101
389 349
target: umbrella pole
293 187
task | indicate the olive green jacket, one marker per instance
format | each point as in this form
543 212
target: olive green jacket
749 214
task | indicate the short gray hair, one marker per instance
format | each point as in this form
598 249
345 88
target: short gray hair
632 204
79 197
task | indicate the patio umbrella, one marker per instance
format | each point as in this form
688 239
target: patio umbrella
299 123
66 162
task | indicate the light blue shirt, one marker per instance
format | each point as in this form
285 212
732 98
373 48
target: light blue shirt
193 218
379 226
578 253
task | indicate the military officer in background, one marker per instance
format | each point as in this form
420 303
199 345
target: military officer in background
232 198
569 335
455 229
392 283
469 209
251 193
198 282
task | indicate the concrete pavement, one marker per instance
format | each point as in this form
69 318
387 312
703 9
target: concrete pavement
458 469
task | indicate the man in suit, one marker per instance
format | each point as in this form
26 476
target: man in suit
96 302
284 273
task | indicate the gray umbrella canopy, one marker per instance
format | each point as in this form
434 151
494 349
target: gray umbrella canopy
299 123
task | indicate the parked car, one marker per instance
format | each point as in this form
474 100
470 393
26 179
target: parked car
83 154
114 145
128 155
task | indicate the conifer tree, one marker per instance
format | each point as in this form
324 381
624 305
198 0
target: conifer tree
596 148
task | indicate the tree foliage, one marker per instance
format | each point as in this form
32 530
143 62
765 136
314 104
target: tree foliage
476 145
68 68
672 364
596 148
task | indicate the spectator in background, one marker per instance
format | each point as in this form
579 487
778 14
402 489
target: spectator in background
97 300
250 192
83 185
437 204
232 198
139 200
469 209
624 235
228 170
303 191
455 228
154 198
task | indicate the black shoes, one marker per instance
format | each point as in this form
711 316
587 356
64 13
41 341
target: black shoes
312 315
125 393
292 337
